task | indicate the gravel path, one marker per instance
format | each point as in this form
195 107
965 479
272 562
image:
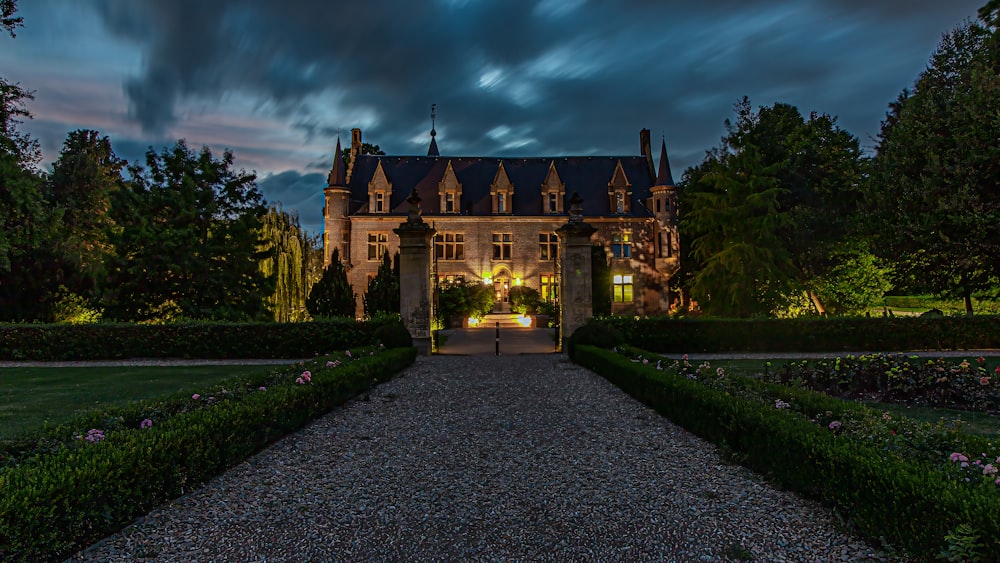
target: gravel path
487 459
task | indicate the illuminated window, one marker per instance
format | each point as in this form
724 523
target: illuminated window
502 246
449 246
623 288
378 243
550 289
548 246
450 279
621 245
619 202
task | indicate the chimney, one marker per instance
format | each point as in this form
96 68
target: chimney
355 150
646 148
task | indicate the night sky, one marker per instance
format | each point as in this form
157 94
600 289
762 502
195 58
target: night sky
275 81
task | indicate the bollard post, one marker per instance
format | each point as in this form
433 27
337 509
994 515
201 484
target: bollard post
498 338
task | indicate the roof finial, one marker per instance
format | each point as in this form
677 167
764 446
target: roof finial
433 149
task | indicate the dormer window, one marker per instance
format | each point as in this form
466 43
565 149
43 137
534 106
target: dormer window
619 190
502 192
450 191
379 191
553 191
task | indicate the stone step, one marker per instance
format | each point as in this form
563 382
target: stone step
506 320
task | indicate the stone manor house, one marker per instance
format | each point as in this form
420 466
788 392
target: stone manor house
495 218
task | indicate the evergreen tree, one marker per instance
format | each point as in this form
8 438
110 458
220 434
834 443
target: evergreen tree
382 297
332 296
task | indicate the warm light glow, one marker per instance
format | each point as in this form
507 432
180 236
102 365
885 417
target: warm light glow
487 280
524 321
618 279
473 322
517 281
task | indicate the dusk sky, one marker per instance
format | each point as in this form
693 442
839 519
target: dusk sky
274 81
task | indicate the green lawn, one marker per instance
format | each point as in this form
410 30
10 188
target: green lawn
29 397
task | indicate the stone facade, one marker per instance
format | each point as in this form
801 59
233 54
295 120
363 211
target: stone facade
496 219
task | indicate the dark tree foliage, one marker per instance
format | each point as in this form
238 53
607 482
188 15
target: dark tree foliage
8 21
83 181
382 297
600 284
189 240
286 250
463 299
934 194
332 295
769 211
366 148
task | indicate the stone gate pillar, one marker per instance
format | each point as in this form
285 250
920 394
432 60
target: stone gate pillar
415 276
575 285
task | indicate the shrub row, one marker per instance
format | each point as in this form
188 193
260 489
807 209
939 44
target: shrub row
902 501
20 342
668 335
68 495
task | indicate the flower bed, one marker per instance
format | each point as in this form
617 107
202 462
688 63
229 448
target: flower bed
81 481
887 476
898 378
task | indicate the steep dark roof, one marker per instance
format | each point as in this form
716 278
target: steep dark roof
433 149
588 175
338 175
664 178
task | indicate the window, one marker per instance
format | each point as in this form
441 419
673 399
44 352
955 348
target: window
450 279
658 203
619 202
550 289
449 203
548 246
502 246
666 245
501 202
623 288
553 201
621 245
378 243
379 202
449 246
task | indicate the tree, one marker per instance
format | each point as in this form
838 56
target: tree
286 250
766 210
366 148
188 242
83 180
382 297
934 195
332 296
600 281
7 19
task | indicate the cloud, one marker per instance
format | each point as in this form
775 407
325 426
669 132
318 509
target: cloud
296 192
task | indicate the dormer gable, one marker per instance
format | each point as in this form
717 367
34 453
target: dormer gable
379 191
619 190
450 191
502 192
553 191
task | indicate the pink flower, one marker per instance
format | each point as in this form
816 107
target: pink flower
146 423
720 372
307 375
984 381
990 469
980 359
300 381
997 370
94 435
196 396
262 388
330 364
684 357
347 353
835 425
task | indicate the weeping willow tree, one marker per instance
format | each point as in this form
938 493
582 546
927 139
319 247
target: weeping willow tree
286 247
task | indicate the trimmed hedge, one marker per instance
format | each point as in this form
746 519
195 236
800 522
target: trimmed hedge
683 336
906 503
21 342
68 495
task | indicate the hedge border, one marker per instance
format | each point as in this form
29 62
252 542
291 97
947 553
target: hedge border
65 499
903 503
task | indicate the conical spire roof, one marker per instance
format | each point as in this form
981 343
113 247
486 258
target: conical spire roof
433 149
338 174
664 178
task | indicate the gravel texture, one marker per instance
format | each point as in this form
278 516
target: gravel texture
487 458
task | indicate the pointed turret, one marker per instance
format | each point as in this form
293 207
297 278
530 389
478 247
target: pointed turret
664 178
338 173
433 149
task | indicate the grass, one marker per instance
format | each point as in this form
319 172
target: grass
33 396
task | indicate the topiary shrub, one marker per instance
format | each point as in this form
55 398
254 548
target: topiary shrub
524 300
393 334
595 333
